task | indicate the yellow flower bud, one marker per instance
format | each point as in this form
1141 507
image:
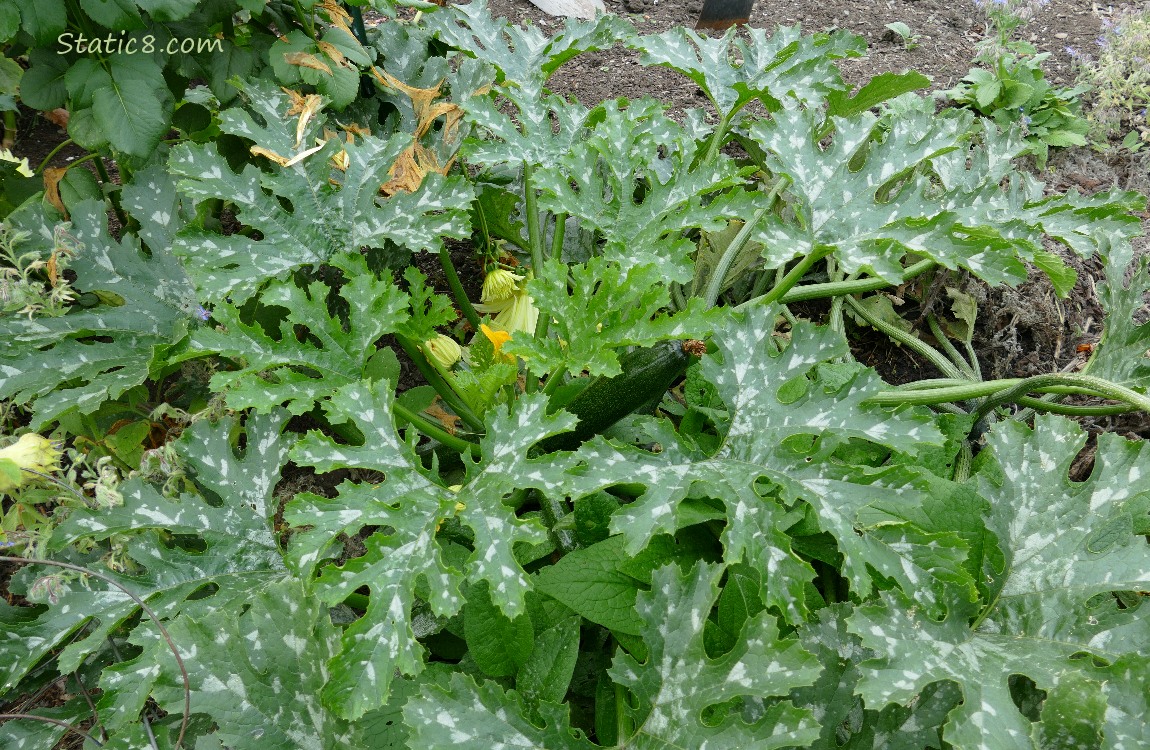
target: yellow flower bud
33 452
444 350
499 285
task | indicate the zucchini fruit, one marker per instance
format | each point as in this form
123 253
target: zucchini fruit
647 374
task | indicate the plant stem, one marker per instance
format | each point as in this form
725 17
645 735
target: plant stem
958 360
719 275
1010 389
935 357
795 275
112 195
457 289
441 386
424 425
558 236
554 380
1069 410
553 511
531 208
838 288
52 154
1099 386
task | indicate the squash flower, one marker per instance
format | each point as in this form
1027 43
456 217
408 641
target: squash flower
32 452
444 350
505 296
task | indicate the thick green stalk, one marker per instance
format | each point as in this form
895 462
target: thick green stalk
944 365
839 288
424 425
795 275
1099 386
1069 410
719 275
457 289
1009 389
52 154
554 380
958 360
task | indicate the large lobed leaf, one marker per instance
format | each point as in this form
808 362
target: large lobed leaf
409 507
327 223
234 559
136 306
1065 546
299 370
771 399
673 688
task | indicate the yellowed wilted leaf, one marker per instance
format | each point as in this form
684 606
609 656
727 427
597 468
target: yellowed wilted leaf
52 177
306 60
261 151
306 107
331 51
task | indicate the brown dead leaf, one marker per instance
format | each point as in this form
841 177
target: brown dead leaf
58 117
449 421
52 177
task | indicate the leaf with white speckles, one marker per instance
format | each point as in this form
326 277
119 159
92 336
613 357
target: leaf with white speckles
138 304
409 508
748 373
1063 545
235 557
1123 354
457 714
258 674
679 682
732 70
294 370
604 309
333 214
633 180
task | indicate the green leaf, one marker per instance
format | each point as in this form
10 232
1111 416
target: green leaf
460 715
546 675
328 223
42 85
408 509
747 371
295 370
1062 276
44 21
868 196
631 180
499 645
603 309
259 673
113 14
877 90
1062 544
132 105
1123 354
678 682
524 56
589 581
732 70
141 305
236 554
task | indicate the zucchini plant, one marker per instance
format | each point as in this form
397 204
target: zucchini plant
644 502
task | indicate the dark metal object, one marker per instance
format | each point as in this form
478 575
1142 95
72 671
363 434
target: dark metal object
723 14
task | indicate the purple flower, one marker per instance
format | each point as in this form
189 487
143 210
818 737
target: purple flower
201 313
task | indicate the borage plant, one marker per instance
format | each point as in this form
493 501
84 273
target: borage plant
561 541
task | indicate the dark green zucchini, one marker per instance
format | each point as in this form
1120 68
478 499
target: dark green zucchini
647 374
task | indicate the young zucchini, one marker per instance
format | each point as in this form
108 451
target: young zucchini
647 374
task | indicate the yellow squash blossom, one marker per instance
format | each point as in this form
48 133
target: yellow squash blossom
505 296
496 337
32 452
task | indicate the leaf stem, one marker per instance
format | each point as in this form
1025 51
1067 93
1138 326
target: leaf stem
457 288
554 380
838 288
935 357
52 153
795 275
955 357
424 425
1010 389
719 275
